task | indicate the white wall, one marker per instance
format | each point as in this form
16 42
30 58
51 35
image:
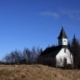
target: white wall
60 57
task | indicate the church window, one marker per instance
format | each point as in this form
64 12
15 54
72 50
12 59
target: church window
64 50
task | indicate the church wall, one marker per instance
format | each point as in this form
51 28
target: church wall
62 55
47 61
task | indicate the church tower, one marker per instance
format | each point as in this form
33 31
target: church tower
62 38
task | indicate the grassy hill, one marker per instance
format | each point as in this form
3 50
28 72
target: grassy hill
36 72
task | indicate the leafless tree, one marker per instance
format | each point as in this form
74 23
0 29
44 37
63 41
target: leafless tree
13 58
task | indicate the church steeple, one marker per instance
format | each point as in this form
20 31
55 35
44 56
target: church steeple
62 38
62 34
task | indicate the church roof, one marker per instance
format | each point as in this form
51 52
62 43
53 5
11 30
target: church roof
62 34
51 51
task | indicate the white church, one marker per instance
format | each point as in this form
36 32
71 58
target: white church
59 55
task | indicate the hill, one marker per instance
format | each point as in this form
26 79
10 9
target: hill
36 72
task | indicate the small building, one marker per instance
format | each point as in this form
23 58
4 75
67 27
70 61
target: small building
57 56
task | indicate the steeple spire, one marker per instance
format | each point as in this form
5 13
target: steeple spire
62 38
62 34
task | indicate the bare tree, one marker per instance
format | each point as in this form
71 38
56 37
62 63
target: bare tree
26 57
13 58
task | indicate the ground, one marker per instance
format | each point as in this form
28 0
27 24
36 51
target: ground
36 72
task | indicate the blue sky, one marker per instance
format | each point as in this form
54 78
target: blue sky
28 23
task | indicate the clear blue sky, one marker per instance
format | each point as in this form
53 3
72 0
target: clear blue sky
28 23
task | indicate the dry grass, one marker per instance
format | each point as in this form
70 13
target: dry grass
36 72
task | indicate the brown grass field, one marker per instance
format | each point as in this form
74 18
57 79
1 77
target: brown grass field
36 72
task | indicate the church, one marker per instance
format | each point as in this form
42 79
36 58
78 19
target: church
57 56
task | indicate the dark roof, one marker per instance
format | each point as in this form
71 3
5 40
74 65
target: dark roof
51 51
62 34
